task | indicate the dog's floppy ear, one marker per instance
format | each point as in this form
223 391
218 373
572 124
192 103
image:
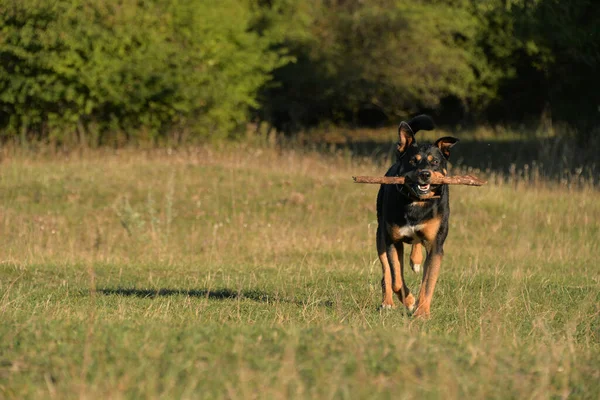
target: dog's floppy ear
406 137
421 123
445 144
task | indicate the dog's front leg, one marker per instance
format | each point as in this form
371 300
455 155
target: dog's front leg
431 271
386 281
416 257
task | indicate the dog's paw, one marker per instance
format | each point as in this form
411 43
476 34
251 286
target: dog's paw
422 313
410 303
385 306
415 267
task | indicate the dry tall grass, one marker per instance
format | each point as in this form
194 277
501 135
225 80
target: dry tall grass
245 271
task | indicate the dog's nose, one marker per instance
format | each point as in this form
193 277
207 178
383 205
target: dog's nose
425 175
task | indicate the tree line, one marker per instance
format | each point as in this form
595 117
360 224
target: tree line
105 70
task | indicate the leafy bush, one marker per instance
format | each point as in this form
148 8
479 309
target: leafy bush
390 57
464 61
96 67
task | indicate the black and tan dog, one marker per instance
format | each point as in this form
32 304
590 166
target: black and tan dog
408 214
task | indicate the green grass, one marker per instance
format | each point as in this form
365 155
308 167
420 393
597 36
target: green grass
252 273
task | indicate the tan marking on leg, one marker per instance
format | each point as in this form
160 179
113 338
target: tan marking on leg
399 285
430 275
430 228
386 283
397 254
416 257
394 232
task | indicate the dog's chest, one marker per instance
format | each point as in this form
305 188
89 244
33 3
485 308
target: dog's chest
405 233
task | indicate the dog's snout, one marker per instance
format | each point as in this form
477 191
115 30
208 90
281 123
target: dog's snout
425 175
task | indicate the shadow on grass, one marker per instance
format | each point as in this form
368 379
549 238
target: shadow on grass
216 294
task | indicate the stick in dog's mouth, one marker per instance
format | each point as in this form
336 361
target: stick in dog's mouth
437 179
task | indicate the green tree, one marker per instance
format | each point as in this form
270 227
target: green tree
140 67
395 57
549 51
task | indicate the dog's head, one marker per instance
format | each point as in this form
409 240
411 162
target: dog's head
419 162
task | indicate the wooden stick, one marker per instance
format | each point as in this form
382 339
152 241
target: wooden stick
436 179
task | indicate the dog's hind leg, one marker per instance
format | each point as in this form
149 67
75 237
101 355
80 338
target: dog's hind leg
416 257
386 281
396 258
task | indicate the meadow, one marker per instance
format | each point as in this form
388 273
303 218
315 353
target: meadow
242 271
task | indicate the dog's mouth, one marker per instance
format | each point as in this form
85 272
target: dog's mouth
419 187
424 188
421 190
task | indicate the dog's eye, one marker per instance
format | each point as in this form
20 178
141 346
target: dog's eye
435 162
413 161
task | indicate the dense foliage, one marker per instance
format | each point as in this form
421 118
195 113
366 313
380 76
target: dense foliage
88 70
369 61
129 66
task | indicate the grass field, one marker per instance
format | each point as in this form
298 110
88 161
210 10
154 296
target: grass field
242 272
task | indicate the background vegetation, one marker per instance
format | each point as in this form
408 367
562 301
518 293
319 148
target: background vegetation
80 68
112 71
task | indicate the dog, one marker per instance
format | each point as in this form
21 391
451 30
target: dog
416 213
